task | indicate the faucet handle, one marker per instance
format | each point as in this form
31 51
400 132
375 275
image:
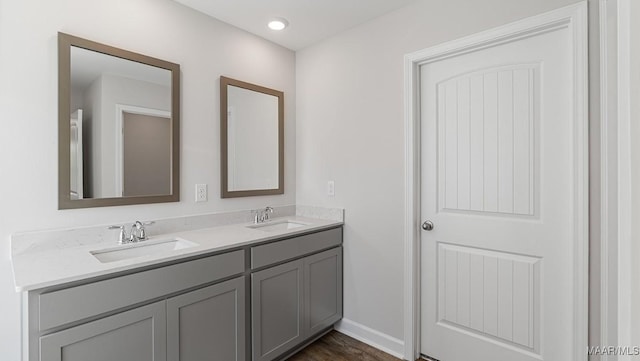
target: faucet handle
256 215
122 236
261 215
142 233
267 211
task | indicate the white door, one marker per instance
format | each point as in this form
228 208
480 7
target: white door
497 163
76 166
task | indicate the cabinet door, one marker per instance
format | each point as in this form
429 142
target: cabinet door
208 324
322 290
136 335
276 310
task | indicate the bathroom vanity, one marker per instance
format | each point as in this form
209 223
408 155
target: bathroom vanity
235 292
241 293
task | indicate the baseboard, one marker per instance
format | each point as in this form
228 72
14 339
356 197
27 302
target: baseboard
371 337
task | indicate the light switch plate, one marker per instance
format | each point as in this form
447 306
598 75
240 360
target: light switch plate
201 192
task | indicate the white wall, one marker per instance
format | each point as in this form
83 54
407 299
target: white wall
204 48
349 117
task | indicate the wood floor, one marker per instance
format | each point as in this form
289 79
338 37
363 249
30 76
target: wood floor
336 346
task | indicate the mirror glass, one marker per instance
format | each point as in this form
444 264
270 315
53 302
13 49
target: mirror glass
252 139
119 121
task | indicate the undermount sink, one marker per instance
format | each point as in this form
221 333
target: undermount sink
143 248
277 226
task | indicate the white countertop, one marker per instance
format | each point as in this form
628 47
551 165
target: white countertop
46 268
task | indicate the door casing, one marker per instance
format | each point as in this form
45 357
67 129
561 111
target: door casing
573 17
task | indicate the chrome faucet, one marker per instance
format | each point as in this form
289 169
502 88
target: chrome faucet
122 235
262 215
136 234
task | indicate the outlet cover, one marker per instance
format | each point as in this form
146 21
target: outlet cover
331 188
201 192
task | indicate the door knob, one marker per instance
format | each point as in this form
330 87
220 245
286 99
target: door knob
427 225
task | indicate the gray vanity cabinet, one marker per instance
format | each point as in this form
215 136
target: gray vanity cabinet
276 310
322 290
135 335
195 310
294 301
208 324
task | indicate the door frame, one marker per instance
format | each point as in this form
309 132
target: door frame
572 17
616 265
79 175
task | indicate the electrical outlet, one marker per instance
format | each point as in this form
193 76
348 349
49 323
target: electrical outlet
331 188
201 192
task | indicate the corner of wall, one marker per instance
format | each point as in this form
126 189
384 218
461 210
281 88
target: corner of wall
377 339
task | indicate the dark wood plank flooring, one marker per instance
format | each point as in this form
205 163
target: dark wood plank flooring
336 346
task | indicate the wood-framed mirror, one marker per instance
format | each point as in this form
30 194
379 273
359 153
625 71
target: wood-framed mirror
118 126
251 139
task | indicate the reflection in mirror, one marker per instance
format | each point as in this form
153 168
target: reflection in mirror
125 110
119 113
252 134
252 139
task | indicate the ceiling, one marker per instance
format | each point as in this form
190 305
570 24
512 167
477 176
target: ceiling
310 21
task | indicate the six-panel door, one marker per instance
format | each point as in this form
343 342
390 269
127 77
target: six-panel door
135 335
208 324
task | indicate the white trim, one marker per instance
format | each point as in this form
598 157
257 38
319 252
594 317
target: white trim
573 17
371 337
581 180
119 148
615 222
624 200
607 232
411 213
77 122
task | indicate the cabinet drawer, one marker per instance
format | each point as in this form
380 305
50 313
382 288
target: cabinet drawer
76 303
294 247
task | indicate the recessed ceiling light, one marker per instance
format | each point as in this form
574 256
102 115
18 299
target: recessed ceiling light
278 24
